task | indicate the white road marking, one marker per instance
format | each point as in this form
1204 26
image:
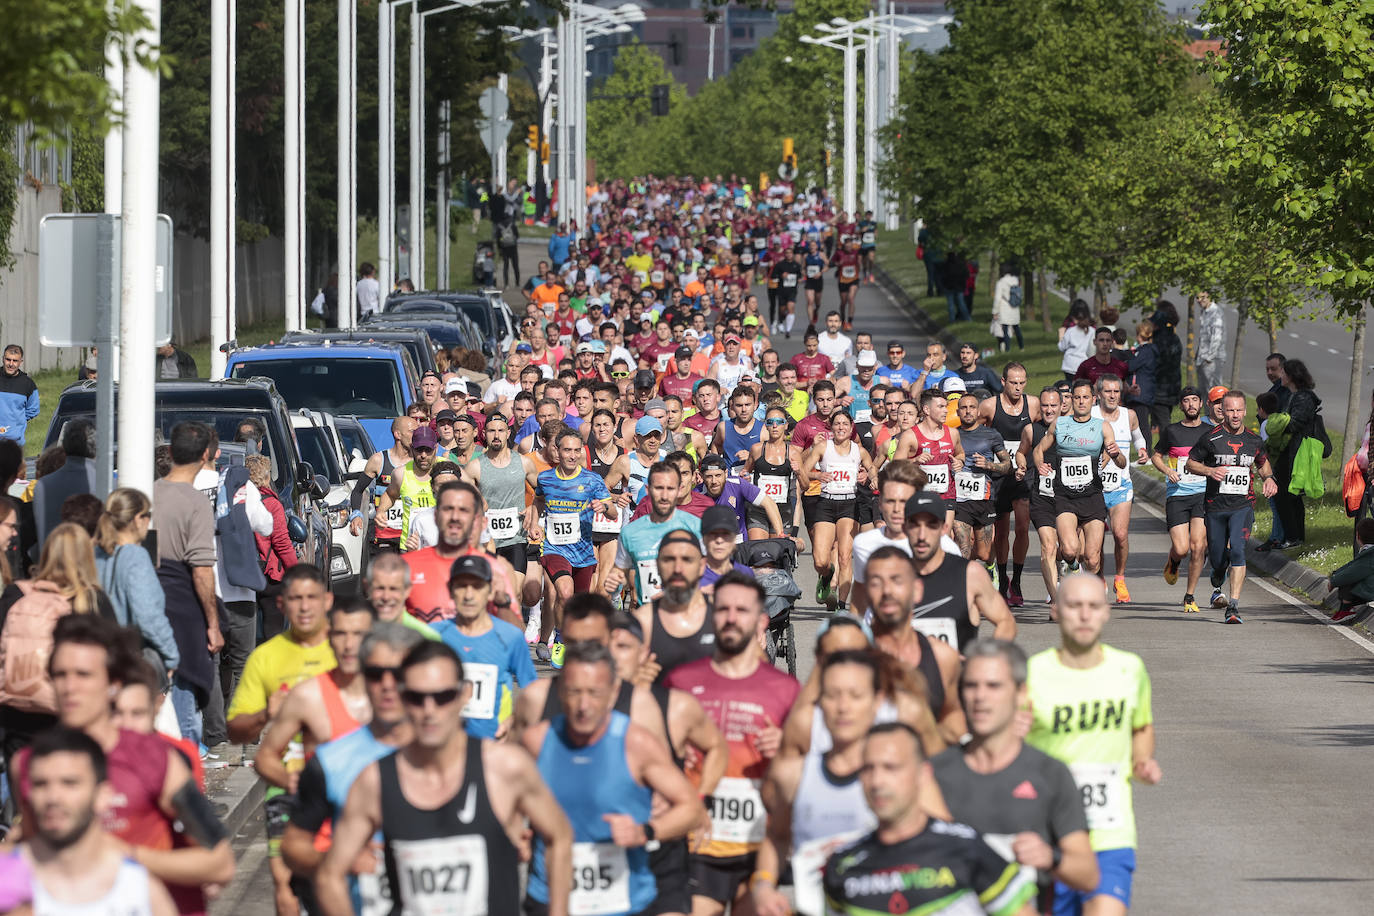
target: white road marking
1333 350
1293 335
1307 609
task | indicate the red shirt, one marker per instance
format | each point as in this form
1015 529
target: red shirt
1092 370
657 355
703 424
810 368
678 386
698 504
846 264
429 598
809 429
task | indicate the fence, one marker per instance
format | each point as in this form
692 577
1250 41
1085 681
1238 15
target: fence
260 272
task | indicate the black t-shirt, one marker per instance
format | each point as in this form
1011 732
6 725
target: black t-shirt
946 866
1035 792
1240 454
311 807
980 377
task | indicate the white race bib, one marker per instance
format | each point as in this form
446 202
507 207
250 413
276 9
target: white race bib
484 680
1111 476
1236 482
841 481
789 280
808 863
1076 471
504 523
849 271
937 478
941 628
746 259
1045 484
1101 788
774 486
650 583
564 528
662 363
374 890
970 487
656 277
737 814
395 513
609 524
1184 478
867 238
760 243
813 271
864 416
600 880
1012 446
444 876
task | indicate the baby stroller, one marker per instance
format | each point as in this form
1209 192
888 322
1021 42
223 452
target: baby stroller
773 561
484 264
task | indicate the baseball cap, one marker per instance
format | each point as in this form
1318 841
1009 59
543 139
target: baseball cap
683 353
445 416
470 565
523 348
682 534
1188 391
692 333
644 378
714 462
423 437
623 620
750 320
645 426
455 384
953 384
866 358
1215 393
731 338
655 404
467 418
598 346
927 503
719 518
585 347
594 303
895 345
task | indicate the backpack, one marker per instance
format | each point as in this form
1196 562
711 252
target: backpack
26 643
1016 297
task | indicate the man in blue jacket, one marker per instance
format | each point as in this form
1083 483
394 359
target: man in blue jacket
18 396
560 246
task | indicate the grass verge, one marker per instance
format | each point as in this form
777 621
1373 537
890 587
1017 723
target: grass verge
1329 530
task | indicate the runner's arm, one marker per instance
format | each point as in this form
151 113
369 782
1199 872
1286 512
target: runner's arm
702 734
284 726
958 459
658 772
777 791
1109 446
211 860
1046 441
362 815
546 817
985 600
1144 767
365 480
808 465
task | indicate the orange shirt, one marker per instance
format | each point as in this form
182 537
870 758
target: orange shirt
546 296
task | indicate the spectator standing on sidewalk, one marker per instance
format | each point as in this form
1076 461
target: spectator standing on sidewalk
174 363
369 291
1007 298
1140 383
1304 422
1168 363
276 553
18 396
1076 341
953 278
76 475
1211 342
1273 369
129 578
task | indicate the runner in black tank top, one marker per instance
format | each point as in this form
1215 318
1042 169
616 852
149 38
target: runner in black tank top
434 856
763 470
946 596
930 668
672 651
1011 498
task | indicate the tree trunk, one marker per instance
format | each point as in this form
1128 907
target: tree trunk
993 274
1273 325
1073 295
1242 316
1099 295
1043 290
1354 416
1190 350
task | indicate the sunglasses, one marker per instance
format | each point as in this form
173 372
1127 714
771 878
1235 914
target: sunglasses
620 375
775 421
440 697
375 673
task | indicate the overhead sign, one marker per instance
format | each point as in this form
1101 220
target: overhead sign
493 128
78 279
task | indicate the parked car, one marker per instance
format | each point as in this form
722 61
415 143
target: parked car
417 341
356 442
487 308
320 444
371 380
224 404
448 329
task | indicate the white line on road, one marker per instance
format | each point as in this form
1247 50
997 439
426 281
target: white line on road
1333 350
1293 335
1307 609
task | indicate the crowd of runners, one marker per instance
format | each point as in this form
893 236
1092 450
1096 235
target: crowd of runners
584 513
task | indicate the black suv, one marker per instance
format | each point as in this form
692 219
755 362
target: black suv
417 341
224 404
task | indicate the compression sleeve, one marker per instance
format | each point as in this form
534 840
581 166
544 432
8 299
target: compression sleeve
1138 441
198 816
360 491
311 807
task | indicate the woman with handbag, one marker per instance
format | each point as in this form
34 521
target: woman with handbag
129 578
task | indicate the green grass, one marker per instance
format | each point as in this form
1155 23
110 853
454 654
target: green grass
1328 543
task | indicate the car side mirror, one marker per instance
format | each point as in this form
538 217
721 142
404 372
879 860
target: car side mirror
304 472
319 486
295 528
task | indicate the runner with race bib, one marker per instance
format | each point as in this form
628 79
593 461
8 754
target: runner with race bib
1184 495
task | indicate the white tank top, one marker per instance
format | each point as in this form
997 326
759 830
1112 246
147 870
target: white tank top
846 466
127 896
1121 432
729 375
824 807
821 742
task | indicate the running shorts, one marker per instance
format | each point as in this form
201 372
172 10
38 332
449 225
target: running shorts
276 812
755 517
719 879
669 864
832 510
817 285
1115 868
557 567
867 507
846 287
1181 510
1042 512
515 555
976 512
1088 508
1113 498
1010 491
809 504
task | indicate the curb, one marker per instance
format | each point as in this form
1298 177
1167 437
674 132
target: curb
1293 575
242 793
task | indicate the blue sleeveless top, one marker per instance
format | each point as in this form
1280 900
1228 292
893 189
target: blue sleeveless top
589 782
1079 445
733 441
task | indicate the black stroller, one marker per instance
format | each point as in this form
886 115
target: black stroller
773 561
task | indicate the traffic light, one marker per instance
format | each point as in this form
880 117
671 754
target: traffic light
658 100
544 151
787 149
532 139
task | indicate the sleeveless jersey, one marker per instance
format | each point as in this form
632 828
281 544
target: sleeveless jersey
940 467
1113 477
388 527
1042 487
589 782
822 742
733 441
569 513
776 480
729 375
503 488
828 812
455 858
127 896
1080 448
844 467
943 612
1009 426
415 494
859 408
674 651
341 721
611 523
341 761
639 477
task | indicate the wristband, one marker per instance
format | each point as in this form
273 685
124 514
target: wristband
355 514
649 833
758 876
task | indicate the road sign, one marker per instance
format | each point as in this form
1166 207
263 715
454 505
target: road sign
494 104
493 134
78 279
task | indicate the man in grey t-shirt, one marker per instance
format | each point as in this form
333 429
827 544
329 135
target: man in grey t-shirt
1024 802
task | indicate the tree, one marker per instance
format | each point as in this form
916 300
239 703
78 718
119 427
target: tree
620 123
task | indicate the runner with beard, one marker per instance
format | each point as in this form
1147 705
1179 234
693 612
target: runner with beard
1184 494
641 538
748 700
678 622
1041 486
1008 414
500 474
410 482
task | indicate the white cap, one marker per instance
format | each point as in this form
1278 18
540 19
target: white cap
866 358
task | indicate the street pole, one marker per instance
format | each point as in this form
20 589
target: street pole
138 265
222 209
386 127
346 167
566 62
108 363
578 187
851 104
870 46
293 207
417 150
890 110
502 83
711 52
441 248
546 116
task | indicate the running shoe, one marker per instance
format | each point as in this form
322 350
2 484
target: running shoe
823 588
217 757
542 653
1233 613
1344 615
1122 596
1171 571
1014 598
532 625
556 653
1190 605
1218 598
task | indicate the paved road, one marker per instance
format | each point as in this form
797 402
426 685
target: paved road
1262 735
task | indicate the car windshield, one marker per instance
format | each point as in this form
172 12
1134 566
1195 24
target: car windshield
362 387
315 447
480 313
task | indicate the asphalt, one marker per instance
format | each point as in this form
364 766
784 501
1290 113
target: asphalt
1263 806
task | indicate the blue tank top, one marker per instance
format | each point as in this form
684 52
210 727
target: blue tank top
341 760
859 408
1079 445
588 783
733 441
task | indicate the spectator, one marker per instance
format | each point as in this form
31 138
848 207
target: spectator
1304 422
128 577
1140 387
1007 297
975 374
18 396
64 583
88 368
368 290
1103 361
1076 341
185 526
173 363
326 301
1354 582
11 466
560 246
1211 342
1273 366
1168 363
251 431
929 255
83 509
1108 316
9 530
953 277
76 475
505 231
1273 432
276 553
